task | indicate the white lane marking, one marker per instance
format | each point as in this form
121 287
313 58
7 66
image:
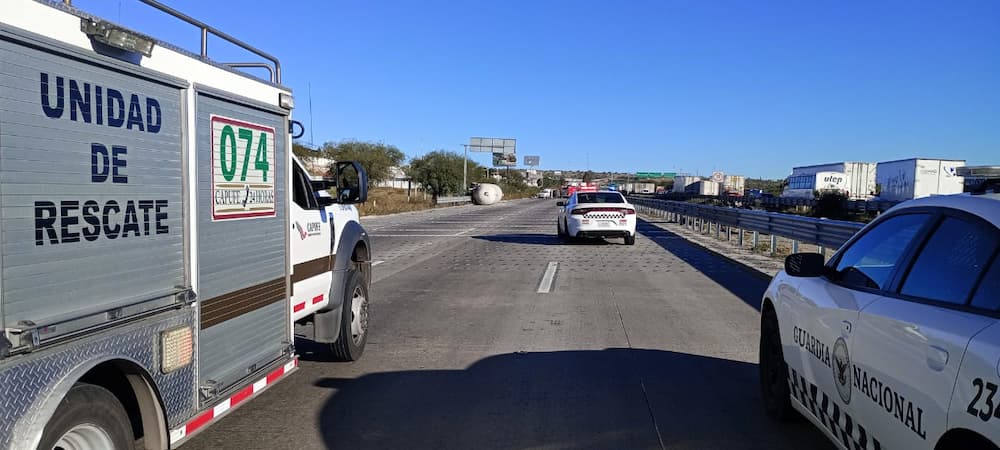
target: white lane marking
375 263
550 274
414 235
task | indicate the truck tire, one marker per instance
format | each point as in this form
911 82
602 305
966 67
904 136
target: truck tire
89 417
774 390
354 322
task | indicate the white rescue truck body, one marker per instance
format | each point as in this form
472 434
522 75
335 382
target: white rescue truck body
159 239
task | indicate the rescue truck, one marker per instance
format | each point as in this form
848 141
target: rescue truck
160 241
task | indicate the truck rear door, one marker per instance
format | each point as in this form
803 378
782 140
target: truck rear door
242 247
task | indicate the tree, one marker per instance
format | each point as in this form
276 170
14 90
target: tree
440 172
588 176
377 158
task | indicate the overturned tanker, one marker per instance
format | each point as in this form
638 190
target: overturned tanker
486 194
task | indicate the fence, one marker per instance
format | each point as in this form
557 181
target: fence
442 201
859 206
820 232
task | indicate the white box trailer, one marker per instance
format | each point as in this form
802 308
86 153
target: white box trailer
860 177
681 182
908 179
703 187
159 239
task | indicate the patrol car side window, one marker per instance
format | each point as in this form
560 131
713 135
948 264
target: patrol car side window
871 260
988 295
951 262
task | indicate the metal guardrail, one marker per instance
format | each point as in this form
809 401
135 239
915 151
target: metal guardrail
820 232
453 200
875 206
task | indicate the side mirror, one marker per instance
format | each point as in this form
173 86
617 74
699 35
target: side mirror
805 265
352 183
325 201
560 203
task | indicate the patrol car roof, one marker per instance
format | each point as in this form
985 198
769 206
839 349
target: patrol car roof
986 206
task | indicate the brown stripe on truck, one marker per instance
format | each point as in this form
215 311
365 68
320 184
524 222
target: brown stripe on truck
234 304
312 268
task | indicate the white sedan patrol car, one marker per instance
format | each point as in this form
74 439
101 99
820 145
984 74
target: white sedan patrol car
602 214
895 342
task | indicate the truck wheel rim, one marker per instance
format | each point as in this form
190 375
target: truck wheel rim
85 437
359 315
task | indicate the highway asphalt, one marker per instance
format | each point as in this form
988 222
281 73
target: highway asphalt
633 347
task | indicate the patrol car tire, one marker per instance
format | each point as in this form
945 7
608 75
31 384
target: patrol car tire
89 416
349 345
774 390
630 239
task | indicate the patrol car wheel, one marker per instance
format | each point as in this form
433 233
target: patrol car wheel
354 322
773 371
89 417
630 239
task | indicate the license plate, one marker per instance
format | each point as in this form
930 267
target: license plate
605 224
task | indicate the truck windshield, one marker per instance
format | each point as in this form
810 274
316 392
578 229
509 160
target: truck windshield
599 197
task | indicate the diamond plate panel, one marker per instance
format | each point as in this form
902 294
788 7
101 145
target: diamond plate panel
26 381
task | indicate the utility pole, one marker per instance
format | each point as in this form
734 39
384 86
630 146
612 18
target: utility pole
465 169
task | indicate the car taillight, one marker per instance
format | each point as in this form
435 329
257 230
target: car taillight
626 211
580 211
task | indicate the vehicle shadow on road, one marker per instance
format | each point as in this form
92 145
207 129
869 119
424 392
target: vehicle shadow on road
602 399
735 278
540 239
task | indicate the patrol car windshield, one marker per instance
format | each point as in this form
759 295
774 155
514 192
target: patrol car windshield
599 197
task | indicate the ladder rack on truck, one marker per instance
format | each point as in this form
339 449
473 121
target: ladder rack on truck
159 239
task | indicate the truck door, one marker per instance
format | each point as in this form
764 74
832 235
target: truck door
242 239
311 240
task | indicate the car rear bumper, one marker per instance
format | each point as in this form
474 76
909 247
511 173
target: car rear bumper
594 229
603 233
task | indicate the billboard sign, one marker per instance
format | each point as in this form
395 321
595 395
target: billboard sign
493 145
531 160
504 159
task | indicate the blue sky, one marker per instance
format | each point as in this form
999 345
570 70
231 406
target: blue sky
747 87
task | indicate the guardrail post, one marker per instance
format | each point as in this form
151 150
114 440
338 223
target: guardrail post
740 238
822 251
795 246
756 240
718 229
774 245
729 233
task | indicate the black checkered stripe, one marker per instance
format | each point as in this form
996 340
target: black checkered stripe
840 423
604 216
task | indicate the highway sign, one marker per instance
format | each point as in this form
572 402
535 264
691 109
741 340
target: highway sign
646 175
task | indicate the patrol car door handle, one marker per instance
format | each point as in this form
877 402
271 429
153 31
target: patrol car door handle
937 358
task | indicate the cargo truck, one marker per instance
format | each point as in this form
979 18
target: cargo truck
912 178
859 177
159 238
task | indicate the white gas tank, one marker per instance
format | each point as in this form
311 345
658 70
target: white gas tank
487 194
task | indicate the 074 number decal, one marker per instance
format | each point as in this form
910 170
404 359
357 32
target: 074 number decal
988 409
228 153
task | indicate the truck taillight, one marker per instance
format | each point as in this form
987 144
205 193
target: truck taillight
176 349
580 211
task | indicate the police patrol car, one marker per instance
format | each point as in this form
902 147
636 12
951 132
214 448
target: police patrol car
600 214
895 342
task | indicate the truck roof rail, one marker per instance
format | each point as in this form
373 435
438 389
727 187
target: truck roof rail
274 71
